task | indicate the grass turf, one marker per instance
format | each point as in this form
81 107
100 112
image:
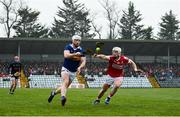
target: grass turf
138 102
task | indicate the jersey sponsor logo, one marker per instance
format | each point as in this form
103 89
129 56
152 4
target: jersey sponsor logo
118 62
116 66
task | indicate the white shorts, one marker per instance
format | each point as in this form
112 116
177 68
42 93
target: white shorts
72 75
110 80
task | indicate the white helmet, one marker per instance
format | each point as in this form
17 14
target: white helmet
118 49
16 58
76 37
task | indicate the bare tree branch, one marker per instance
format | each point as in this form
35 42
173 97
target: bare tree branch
11 15
97 29
112 15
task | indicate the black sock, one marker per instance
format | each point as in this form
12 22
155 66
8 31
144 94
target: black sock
11 88
63 97
54 93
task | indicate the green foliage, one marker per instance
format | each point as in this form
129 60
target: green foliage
169 27
72 19
130 27
147 33
27 25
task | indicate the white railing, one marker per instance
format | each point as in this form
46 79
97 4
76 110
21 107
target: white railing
52 81
128 82
5 82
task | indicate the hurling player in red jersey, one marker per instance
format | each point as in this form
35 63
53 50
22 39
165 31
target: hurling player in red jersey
115 72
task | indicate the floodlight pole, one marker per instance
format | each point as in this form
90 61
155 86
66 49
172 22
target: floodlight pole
19 50
90 60
168 56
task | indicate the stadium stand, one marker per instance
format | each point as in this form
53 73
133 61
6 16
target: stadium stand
95 72
5 82
52 81
95 68
168 82
44 81
43 57
128 82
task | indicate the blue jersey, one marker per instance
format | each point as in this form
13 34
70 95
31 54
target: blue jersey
70 64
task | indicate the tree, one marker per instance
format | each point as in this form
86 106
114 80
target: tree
128 26
97 29
144 33
112 15
168 27
147 33
178 35
27 25
72 19
9 19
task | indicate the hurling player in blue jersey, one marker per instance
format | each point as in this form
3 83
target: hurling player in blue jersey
74 61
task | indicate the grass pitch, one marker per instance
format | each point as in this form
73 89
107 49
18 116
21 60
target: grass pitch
138 102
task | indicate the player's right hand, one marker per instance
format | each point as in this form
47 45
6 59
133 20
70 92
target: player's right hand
10 75
139 71
17 74
95 55
78 70
77 54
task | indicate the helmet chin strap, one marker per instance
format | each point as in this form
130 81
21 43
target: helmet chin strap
117 57
75 46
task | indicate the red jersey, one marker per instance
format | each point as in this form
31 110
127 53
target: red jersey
115 67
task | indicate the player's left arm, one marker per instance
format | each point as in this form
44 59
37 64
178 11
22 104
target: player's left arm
134 66
82 64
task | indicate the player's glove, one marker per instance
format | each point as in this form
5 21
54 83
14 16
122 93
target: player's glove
138 72
10 75
17 74
95 55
